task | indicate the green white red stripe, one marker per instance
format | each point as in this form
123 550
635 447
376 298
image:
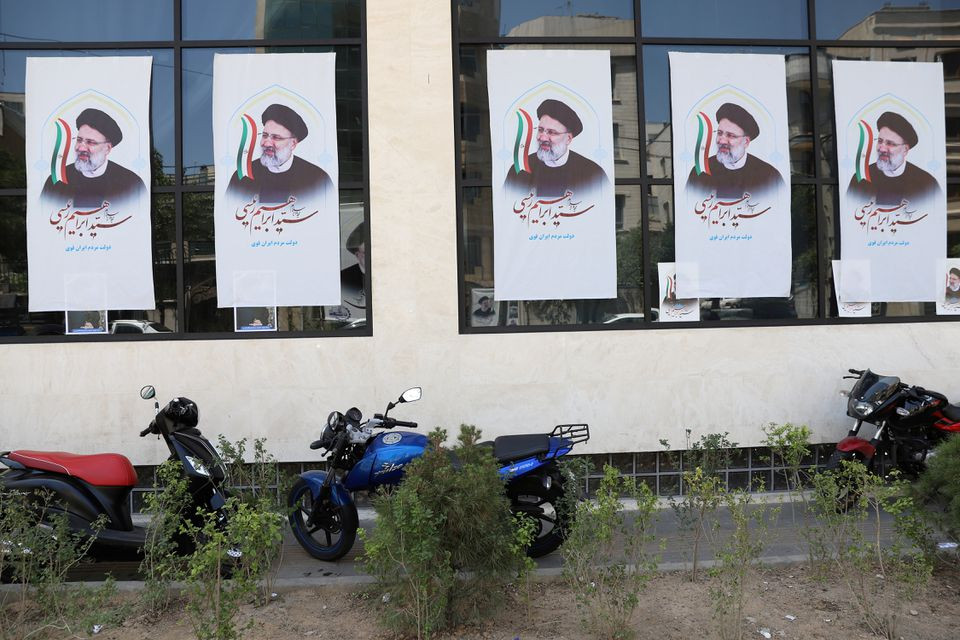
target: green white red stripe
61 148
522 144
704 140
864 149
248 140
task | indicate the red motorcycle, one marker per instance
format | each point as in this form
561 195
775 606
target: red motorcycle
910 421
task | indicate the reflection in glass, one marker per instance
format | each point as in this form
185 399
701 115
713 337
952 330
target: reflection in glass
724 18
270 19
198 164
656 91
949 57
803 301
13 65
888 20
85 20
200 284
16 320
531 18
626 309
475 113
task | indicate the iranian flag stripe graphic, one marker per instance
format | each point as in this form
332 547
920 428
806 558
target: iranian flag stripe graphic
58 163
864 149
248 138
704 140
522 145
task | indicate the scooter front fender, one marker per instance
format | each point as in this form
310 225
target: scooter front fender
851 444
338 493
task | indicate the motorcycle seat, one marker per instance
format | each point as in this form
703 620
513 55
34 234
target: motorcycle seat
100 469
506 448
952 412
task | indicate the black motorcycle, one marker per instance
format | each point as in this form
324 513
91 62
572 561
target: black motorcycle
86 487
910 421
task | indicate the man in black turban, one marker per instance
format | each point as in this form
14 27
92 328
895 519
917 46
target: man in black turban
892 180
554 167
732 172
278 174
92 181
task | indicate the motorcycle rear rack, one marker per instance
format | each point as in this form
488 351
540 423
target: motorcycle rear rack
575 433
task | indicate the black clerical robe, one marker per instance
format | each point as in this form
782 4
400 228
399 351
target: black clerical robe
914 185
303 180
755 177
578 175
117 185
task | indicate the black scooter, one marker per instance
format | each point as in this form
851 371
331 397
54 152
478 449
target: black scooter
86 487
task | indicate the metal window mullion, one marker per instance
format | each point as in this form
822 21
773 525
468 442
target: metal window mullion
178 161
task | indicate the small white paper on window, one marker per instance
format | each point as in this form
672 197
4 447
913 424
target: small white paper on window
947 279
847 309
249 287
853 285
673 309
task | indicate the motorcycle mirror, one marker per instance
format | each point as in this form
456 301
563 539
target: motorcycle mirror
148 392
411 395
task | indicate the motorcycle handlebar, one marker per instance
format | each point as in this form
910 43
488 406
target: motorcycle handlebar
145 431
858 372
316 444
403 423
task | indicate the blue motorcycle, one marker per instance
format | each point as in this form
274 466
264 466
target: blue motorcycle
323 515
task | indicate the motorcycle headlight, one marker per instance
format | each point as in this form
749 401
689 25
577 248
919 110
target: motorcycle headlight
863 408
198 466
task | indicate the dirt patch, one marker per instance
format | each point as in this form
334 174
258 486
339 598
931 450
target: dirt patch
671 608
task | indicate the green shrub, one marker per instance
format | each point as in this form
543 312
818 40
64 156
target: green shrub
939 488
606 561
164 549
445 544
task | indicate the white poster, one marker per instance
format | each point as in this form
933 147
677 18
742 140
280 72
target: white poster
672 308
88 183
848 309
731 167
947 279
551 125
276 213
891 164
484 312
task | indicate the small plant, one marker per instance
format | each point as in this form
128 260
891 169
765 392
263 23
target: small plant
165 545
790 446
938 487
445 544
736 557
606 561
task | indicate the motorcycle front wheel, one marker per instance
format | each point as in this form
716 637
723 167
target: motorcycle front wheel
332 534
529 497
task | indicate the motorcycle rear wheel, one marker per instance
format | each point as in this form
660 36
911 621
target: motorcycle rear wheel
333 537
528 496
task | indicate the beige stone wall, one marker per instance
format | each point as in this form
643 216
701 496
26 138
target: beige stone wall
632 387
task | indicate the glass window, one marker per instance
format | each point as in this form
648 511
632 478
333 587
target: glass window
198 165
532 18
656 83
948 56
724 18
475 113
13 79
85 20
274 20
888 20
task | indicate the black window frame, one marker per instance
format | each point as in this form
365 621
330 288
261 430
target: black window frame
181 187
819 181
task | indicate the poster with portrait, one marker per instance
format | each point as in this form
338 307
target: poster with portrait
551 127
484 312
672 308
891 165
78 323
849 309
87 134
276 212
731 167
948 287
353 267
246 319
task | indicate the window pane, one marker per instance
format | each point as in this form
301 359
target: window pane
531 18
16 320
803 301
85 20
656 83
477 253
200 284
12 82
198 166
949 57
888 20
274 20
724 18
475 113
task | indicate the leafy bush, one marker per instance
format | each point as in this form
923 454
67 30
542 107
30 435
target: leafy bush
165 546
939 488
790 446
445 544
606 561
